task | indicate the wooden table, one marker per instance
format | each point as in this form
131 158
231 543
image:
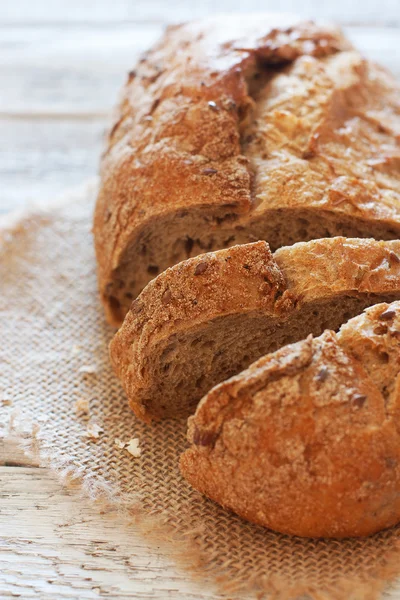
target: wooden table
61 64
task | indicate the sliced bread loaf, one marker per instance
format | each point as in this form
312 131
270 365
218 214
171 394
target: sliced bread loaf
306 441
243 128
209 317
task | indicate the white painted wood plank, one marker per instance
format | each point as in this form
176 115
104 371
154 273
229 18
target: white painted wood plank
115 11
41 158
64 71
80 70
55 545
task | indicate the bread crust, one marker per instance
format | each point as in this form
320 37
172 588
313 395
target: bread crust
238 281
190 142
307 440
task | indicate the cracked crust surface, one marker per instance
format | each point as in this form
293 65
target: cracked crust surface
209 317
242 128
307 440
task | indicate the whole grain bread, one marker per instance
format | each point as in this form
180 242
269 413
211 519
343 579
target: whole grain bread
306 441
209 317
244 128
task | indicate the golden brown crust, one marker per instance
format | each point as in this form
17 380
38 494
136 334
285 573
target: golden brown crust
205 124
333 266
236 281
307 440
233 281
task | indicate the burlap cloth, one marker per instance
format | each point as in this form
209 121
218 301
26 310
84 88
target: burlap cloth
52 325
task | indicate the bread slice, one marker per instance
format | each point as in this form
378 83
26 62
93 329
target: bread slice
243 128
209 317
306 441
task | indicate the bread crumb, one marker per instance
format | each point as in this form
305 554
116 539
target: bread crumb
133 447
119 443
82 407
93 430
75 350
6 401
88 369
35 429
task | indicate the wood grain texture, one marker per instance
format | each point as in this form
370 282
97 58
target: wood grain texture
56 545
59 71
41 158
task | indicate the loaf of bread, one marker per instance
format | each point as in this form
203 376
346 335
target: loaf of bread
209 317
235 137
307 440
244 128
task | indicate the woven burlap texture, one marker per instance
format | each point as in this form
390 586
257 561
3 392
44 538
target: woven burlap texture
52 325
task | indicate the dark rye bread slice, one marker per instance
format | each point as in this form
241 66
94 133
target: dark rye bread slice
209 317
242 128
306 441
